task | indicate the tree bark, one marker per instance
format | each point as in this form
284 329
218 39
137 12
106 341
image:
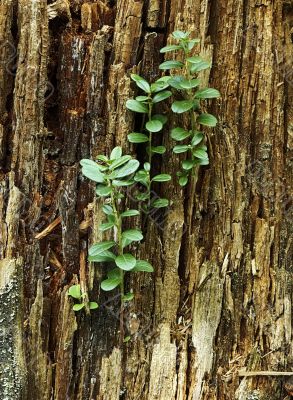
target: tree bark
220 300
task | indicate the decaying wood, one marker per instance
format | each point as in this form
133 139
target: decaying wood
220 300
265 373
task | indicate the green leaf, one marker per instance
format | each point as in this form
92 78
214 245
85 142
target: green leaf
143 266
175 81
160 84
126 339
110 284
197 138
74 291
106 226
137 138
207 119
147 166
117 182
126 262
116 153
136 106
180 35
107 209
92 171
182 106
86 162
179 134
208 93
186 84
161 118
162 178
128 297
194 60
154 125
111 218
103 158
142 196
126 170
114 273
203 161
142 177
78 307
103 190
93 305
160 203
120 161
200 66
192 42
105 256
141 83
159 149
171 64
199 153
162 96
132 234
99 248
180 149
183 180
141 98
171 47
188 164
130 213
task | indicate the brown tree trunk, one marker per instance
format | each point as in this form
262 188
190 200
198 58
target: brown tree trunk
220 300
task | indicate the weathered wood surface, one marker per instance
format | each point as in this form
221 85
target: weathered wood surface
221 297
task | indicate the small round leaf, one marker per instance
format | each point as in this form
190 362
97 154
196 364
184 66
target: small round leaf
143 266
154 125
126 262
110 284
136 106
182 106
137 138
78 307
162 178
207 120
171 64
179 134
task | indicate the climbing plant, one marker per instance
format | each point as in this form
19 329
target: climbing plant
152 124
184 79
115 173
112 175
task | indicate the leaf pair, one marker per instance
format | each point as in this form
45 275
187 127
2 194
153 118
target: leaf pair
75 292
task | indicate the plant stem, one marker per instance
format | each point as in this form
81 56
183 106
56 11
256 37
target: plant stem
118 224
150 154
190 96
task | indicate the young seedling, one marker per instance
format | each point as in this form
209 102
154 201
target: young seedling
112 175
75 292
152 124
187 83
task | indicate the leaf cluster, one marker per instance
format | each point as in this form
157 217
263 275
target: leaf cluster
184 79
152 124
112 175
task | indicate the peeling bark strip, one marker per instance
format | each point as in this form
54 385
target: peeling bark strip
220 300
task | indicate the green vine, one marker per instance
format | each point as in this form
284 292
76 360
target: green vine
187 83
152 124
114 174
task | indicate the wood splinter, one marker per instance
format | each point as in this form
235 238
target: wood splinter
264 373
49 229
